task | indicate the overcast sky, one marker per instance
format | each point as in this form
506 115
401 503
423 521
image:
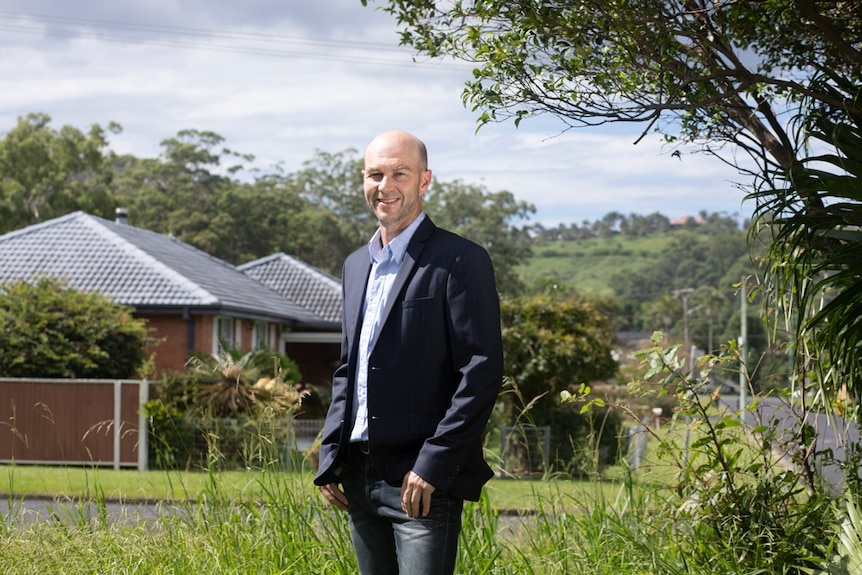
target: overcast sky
280 79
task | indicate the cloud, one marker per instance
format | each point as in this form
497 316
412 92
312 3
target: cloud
281 81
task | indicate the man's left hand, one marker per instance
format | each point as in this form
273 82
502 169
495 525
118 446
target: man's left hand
416 495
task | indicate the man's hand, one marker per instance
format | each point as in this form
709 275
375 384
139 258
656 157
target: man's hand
334 495
416 495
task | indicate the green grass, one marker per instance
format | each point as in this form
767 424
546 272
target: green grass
510 495
274 522
588 265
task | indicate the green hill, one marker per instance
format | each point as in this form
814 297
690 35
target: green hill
588 265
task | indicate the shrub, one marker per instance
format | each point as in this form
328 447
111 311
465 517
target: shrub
217 409
48 329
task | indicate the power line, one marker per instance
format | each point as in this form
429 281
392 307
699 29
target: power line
79 30
205 32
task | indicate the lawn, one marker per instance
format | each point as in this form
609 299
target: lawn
506 494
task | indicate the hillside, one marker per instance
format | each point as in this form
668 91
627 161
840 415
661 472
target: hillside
589 264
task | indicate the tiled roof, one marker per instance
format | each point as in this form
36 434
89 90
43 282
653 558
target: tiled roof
300 282
139 268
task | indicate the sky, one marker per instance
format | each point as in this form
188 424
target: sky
283 79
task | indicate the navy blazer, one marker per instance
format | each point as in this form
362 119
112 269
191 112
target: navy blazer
434 370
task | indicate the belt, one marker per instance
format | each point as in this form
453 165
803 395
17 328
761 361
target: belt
361 446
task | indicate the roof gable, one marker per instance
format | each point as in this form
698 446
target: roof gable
300 282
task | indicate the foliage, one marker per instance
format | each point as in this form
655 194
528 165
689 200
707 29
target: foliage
548 346
779 519
706 73
812 218
241 384
45 173
220 403
50 330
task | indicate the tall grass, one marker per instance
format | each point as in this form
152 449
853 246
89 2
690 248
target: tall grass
729 514
287 528
284 532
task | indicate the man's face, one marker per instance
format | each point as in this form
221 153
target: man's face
394 181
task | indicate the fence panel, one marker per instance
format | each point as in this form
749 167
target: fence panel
73 422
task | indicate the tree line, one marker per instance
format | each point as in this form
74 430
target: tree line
634 226
209 196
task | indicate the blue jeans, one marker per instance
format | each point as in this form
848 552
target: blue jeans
386 541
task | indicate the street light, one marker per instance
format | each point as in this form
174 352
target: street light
683 295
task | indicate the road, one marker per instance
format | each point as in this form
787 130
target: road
832 433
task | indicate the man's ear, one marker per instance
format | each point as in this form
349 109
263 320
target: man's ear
426 181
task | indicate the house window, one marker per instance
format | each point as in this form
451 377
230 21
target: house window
225 332
260 335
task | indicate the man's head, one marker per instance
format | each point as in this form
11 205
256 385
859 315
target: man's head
396 175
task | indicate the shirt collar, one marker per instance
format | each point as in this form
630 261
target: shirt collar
398 245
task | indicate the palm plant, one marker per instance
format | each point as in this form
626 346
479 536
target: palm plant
239 384
815 244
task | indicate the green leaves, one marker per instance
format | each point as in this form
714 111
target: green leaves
50 330
45 173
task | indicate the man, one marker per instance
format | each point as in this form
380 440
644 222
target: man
421 367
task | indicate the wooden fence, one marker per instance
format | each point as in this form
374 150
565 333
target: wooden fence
74 422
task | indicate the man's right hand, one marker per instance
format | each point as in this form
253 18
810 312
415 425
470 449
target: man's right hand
333 493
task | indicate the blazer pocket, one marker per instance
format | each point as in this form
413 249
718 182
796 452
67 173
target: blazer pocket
417 302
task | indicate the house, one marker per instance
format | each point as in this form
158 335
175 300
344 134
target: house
193 302
315 291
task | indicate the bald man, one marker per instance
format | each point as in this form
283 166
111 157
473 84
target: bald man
421 367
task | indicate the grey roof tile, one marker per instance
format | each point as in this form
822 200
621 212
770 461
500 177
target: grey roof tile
298 281
138 268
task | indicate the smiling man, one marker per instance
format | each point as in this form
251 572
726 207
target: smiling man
421 367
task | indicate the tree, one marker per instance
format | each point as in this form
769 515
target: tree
706 75
178 193
486 218
334 181
551 345
815 270
702 72
45 173
50 330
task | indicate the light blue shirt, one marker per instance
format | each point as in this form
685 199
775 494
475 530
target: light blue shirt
385 261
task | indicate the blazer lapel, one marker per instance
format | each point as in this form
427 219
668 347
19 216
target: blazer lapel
405 270
357 270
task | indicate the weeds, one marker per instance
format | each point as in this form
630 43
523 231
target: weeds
734 510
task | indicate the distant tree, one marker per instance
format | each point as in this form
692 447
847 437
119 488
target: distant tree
555 344
45 173
334 181
486 218
48 329
178 192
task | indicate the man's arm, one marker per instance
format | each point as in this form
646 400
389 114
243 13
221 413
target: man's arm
476 353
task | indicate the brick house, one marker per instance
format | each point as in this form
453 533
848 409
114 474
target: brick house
315 291
191 300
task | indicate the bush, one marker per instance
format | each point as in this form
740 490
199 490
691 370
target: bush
48 329
223 408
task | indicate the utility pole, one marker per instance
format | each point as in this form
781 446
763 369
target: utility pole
683 295
743 349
